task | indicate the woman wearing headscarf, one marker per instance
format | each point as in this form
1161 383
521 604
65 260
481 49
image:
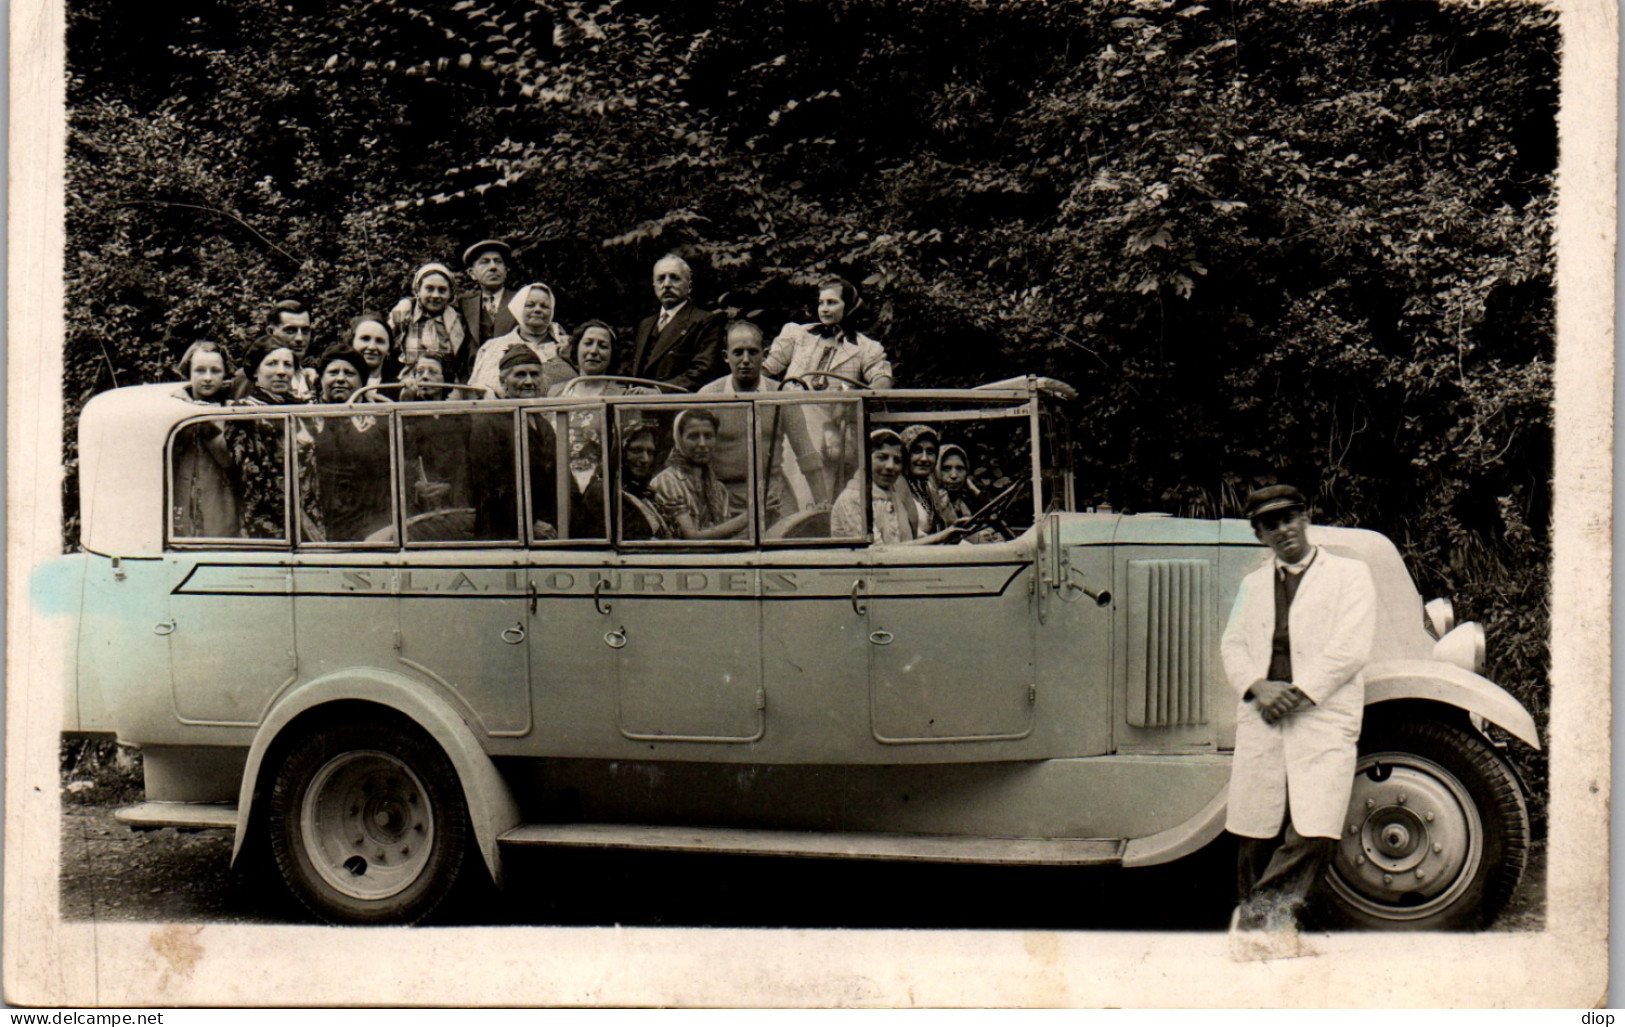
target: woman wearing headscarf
829 345
370 337
690 498
914 485
533 308
205 504
886 505
427 322
640 514
951 492
256 447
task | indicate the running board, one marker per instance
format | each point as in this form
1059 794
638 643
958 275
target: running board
147 816
928 848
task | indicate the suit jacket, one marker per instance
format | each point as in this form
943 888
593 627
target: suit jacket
1309 755
469 306
686 354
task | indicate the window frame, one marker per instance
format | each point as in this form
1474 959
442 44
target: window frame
230 413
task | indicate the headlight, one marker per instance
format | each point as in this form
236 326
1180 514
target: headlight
1439 617
1463 646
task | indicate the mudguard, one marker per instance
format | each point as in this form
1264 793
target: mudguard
1432 680
492 808
1454 686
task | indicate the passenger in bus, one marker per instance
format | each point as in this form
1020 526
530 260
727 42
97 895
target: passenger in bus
640 513
205 502
920 443
777 426
951 492
533 308
256 448
369 336
891 523
426 322
688 495
352 454
496 496
830 345
287 321
590 353
436 450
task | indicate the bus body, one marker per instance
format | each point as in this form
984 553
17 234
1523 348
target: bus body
457 630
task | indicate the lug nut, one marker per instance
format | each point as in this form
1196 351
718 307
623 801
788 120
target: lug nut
1437 847
1428 816
1370 804
1419 875
1359 861
1387 878
1354 829
1402 798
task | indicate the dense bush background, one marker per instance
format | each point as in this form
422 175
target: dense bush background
1299 241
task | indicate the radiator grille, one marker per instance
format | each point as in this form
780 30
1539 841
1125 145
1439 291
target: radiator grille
1170 623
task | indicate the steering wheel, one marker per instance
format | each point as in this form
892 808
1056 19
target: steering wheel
992 512
824 376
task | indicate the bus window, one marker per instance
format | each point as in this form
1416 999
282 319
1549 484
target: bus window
807 454
684 490
258 450
458 477
352 461
203 500
582 493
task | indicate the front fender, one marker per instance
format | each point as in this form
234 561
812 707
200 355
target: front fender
492 808
1448 683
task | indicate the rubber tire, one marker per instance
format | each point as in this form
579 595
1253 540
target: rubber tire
448 856
1471 762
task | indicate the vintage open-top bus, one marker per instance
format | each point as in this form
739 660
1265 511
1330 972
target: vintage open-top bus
422 632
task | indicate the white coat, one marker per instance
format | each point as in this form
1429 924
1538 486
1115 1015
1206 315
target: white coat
1309 754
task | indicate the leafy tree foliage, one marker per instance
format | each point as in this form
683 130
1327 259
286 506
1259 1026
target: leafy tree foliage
1305 242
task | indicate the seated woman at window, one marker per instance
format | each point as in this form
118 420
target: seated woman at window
256 448
369 336
640 514
205 505
951 492
352 454
688 495
920 443
891 523
533 308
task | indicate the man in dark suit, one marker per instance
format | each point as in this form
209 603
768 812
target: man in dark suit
485 310
681 345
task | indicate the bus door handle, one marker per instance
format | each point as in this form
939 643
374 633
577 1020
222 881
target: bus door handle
615 639
163 627
597 600
859 607
514 635
881 637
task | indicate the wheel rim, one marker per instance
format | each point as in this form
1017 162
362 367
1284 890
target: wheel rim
1413 841
368 826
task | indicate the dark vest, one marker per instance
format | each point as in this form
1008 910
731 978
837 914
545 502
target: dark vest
1286 589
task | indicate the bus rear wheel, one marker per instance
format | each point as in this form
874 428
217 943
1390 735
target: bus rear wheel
1437 834
368 824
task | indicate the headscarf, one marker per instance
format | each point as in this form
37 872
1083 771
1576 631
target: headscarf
711 513
950 506
516 307
679 455
900 495
915 492
432 268
850 300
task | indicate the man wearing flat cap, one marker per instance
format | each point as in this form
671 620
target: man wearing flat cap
1298 638
485 310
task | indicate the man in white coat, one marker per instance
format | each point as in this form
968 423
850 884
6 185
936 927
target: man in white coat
1299 636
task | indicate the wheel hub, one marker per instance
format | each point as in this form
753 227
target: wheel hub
1413 838
367 829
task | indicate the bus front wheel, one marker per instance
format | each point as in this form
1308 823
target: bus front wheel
367 823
